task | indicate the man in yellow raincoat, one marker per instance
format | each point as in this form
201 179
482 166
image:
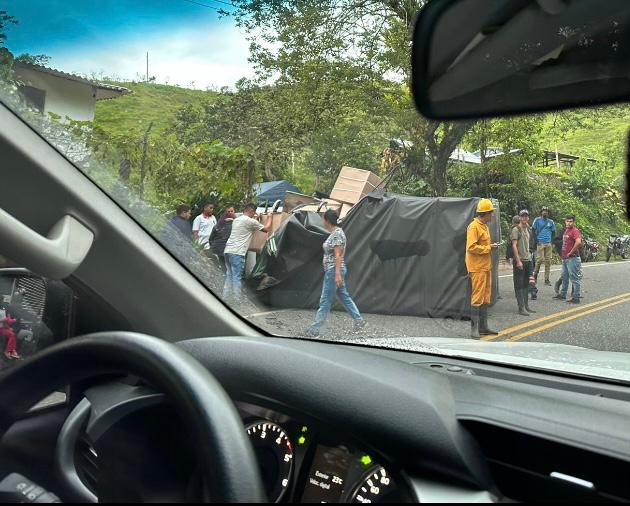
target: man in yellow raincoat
479 264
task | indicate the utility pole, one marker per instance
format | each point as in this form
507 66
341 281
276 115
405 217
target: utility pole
147 66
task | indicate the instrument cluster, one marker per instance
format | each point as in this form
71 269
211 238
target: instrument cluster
304 462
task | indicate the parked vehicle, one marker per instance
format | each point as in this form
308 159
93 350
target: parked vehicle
617 246
589 250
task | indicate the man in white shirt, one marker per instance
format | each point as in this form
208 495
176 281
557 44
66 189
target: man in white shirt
203 225
243 229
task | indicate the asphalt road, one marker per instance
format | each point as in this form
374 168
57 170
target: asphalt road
601 321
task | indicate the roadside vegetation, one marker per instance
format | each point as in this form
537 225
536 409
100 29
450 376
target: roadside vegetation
331 89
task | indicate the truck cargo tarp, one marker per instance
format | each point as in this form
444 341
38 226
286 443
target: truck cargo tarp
405 256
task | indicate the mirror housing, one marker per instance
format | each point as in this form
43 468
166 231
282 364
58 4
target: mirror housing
488 58
43 310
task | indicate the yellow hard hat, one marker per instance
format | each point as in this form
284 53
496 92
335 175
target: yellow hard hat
485 206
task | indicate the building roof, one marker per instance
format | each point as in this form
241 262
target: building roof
461 155
103 91
555 157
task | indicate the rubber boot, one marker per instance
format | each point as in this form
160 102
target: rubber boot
526 300
474 322
483 322
521 303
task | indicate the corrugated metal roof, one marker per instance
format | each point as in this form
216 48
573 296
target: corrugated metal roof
72 77
461 155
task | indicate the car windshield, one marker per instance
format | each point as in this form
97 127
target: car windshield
275 150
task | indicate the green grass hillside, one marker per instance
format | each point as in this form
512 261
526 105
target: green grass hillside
596 130
159 103
148 102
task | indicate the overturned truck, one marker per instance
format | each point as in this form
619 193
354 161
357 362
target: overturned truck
405 256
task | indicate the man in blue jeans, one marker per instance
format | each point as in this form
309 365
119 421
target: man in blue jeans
243 229
543 229
571 262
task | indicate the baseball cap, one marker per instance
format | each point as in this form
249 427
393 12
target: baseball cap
524 212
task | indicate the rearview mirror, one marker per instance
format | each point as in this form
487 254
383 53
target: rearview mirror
481 58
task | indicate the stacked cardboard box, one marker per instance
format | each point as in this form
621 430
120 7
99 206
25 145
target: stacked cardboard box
353 184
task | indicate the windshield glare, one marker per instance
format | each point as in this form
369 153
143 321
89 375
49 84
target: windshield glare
275 150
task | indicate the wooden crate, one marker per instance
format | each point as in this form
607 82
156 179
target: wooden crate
353 184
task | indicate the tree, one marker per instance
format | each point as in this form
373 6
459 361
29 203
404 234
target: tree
285 125
6 58
33 59
299 42
247 117
5 21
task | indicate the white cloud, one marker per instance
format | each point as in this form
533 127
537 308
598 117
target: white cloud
213 55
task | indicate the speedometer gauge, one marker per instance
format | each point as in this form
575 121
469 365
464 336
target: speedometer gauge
274 453
374 487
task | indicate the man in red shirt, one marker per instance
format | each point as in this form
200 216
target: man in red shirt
571 262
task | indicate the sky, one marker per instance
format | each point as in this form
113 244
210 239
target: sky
188 44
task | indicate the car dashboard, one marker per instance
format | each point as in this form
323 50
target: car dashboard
121 427
337 423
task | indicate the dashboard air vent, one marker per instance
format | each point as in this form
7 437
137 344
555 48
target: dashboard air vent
86 463
530 468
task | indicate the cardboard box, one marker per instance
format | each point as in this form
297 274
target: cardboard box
345 208
260 238
353 184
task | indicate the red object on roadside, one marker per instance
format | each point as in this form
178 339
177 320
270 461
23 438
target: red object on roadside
10 349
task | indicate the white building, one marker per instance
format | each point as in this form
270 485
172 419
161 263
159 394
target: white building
53 91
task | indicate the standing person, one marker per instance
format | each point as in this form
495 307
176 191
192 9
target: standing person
571 261
479 266
533 245
334 277
221 234
557 244
509 254
6 331
544 229
179 225
203 225
522 264
236 247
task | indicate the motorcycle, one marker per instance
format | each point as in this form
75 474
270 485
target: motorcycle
589 250
617 246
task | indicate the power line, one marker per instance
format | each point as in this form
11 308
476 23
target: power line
224 2
210 6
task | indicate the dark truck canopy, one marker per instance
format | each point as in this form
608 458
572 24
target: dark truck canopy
405 256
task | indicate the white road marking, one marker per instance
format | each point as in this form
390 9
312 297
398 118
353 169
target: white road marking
584 266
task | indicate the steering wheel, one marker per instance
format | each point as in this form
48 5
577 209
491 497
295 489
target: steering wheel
226 457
